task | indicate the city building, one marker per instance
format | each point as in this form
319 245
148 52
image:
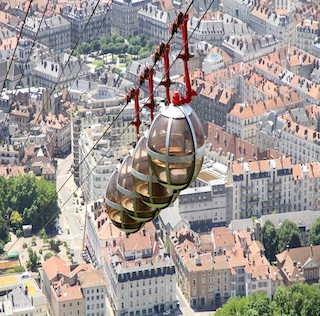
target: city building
9 155
243 118
215 266
124 19
84 27
246 48
59 72
281 24
226 148
299 264
73 290
260 187
21 295
198 271
306 33
155 22
302 143
141 278
239 8
215 26
53 31
61 126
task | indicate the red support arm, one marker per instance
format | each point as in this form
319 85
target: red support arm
149 72
163 52
134 94
181 23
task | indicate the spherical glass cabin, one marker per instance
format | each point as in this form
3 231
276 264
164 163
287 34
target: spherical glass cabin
129 199
149 190
176 146
116 212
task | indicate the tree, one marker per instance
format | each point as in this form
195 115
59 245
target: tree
55 245
95 46
16 219
314 237
23 197
48 255
34 261
270 240
3 230
288 235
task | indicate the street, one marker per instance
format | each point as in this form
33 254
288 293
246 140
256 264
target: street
69 219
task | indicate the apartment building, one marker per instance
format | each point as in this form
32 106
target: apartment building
53 31
280 24
199 272
61 126
252 270
21 115
226 148
306 33
141 279
73 290
9 155
85 26
299 264
243 118
300 142
247 48
260 187
155 22
59 72
124 16
102 159
315 47
21 295
204 207
113 146
215 266
275 72
99 105
215 27
239 8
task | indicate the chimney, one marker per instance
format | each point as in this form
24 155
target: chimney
297 128
114 243
144 232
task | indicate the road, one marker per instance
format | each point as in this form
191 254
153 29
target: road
69 219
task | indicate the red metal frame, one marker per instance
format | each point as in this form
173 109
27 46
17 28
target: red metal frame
181 23
149 73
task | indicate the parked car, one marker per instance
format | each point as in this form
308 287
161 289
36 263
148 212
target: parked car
167 312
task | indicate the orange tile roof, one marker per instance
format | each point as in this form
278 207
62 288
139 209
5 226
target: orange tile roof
54 266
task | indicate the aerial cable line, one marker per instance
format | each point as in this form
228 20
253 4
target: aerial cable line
109 149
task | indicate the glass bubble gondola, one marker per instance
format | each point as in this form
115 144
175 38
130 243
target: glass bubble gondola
129 199
176 146
116 212
151 192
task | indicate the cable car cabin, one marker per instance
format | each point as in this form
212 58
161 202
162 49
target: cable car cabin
176 146
116 212
129 199
149 190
